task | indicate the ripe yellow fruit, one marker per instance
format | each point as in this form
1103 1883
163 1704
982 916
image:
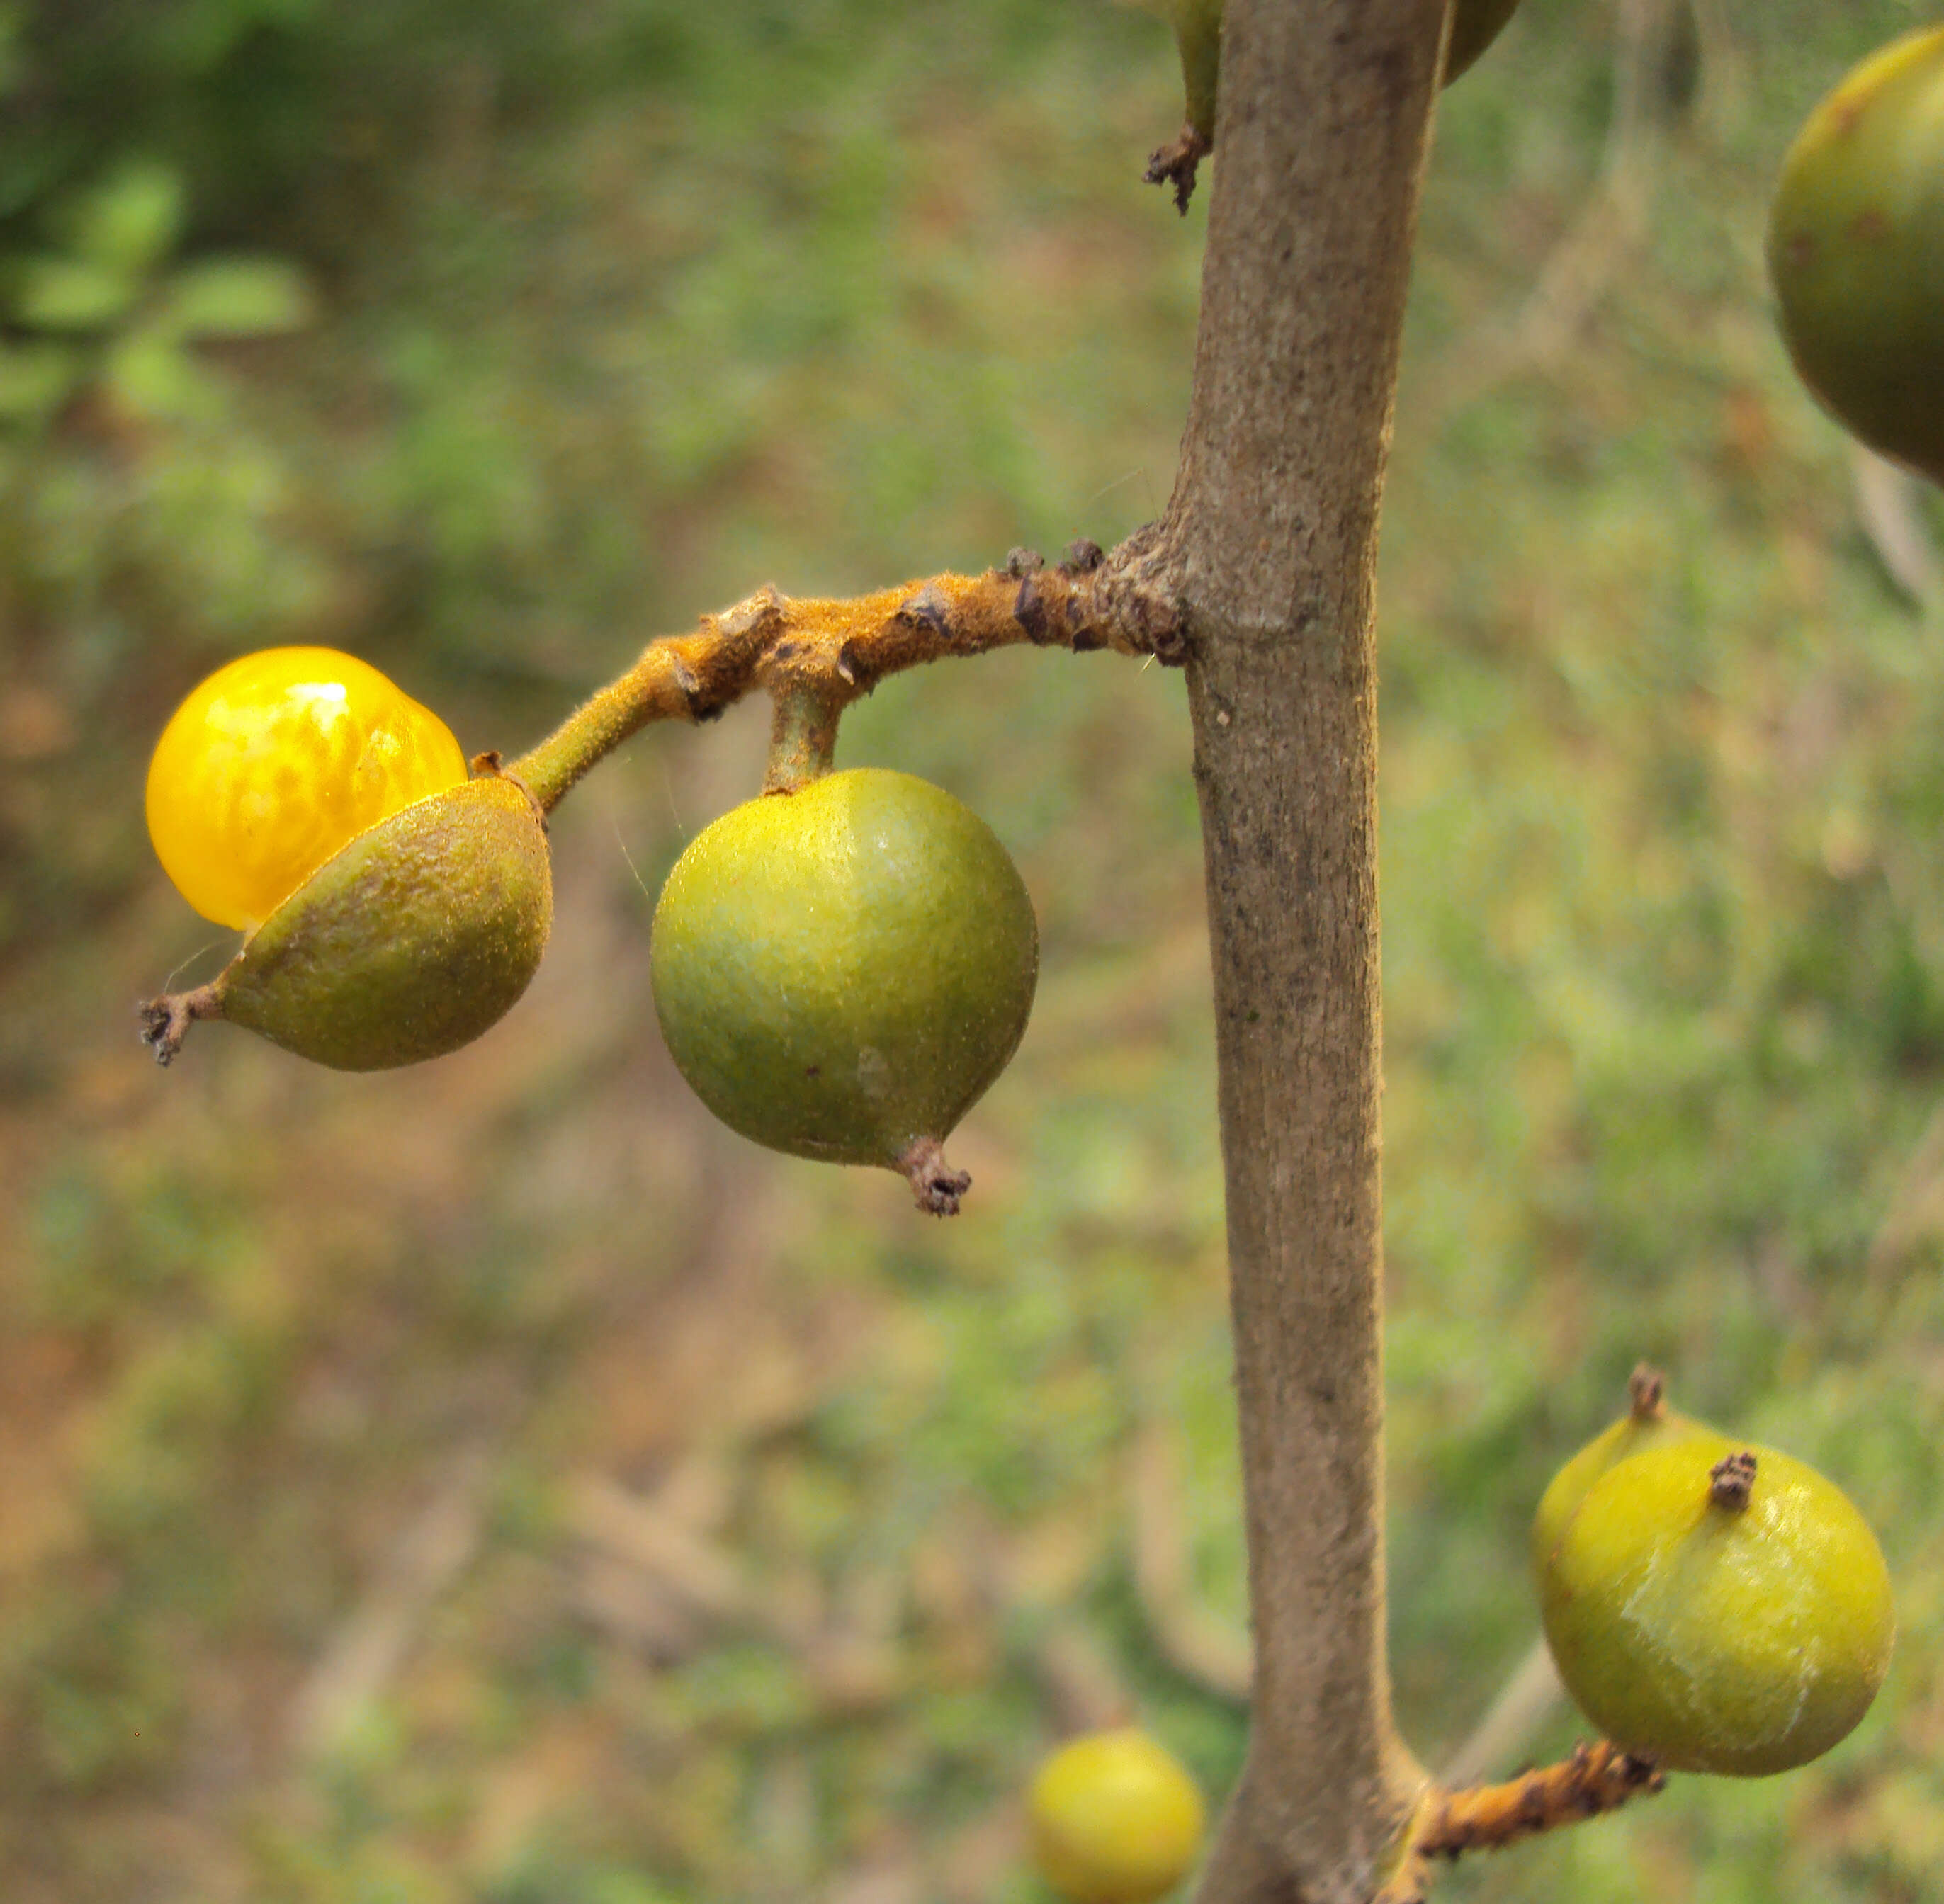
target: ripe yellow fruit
841 971
274 763
1718 1614
1113 1819
1856 249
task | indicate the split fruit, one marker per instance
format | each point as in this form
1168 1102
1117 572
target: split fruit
841 971
1113 1819
395 909
1715 1608
1855 249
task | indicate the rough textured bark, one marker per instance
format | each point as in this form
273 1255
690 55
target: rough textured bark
1270 541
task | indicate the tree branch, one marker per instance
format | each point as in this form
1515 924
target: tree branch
1270 543
816 657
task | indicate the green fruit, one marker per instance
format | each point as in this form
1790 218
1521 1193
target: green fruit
1855 248
1474 24
1718 1615
408 942
1197 32
1648 1422
841 971
1113 1819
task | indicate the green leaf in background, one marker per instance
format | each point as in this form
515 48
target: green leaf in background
35 378
131 220
150 375
55 293
240 297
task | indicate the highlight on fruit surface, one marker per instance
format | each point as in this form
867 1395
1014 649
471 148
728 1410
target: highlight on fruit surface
1717 1612
395 909
841 971
1114 1818
276 762
1855 251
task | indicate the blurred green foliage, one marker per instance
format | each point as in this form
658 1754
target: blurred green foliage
516 335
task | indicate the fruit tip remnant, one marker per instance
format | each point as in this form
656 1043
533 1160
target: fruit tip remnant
937 1186
1647 1390
1732 1479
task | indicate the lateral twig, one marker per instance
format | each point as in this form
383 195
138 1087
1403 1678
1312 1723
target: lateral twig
820 655
1596 1779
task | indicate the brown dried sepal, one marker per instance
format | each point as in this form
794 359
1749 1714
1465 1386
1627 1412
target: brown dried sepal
937 1186
1177 163
1732 1480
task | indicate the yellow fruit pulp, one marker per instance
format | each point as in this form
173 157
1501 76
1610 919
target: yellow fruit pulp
1114 1819
277 762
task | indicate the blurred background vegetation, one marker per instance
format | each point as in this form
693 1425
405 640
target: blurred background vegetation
495 1482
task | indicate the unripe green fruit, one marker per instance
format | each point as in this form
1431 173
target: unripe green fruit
1717 1617
1474 24
410 942
1113 1819
841 971
1197 28
1855 248
1648 1423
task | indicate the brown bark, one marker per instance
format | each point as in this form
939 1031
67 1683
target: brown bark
1270 542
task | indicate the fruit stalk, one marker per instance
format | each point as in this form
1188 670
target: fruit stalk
835 652
1597 1778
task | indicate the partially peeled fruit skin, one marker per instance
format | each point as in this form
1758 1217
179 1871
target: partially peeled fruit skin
1856 250
410 942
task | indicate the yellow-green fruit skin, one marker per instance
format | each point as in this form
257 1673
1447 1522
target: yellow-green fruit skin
1744 1641
411 942
1631 1434
1113 1819
842 971
1856 250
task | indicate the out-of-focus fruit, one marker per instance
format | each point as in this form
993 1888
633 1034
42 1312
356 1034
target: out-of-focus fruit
1855 249
1113 1819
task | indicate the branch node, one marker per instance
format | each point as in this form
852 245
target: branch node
927 609
1083 558
1029 610
1022 562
